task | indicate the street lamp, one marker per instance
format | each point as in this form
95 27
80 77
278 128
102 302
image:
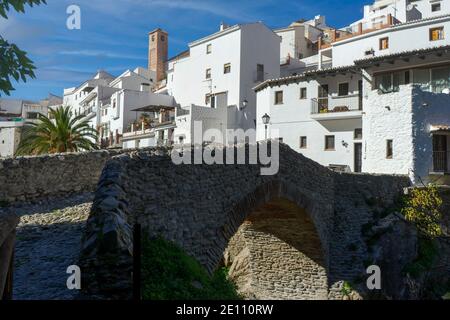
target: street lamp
266 121
244 104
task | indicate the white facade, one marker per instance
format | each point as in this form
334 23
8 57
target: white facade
345 52
298 117
386 106
221 70
410 117
14 114
9 137
108 103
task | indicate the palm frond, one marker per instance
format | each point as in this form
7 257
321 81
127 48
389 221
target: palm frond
62 133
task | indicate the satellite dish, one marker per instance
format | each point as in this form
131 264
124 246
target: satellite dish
410 6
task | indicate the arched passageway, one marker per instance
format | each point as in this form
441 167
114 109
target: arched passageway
277 254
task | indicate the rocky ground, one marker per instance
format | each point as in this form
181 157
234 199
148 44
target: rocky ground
48 241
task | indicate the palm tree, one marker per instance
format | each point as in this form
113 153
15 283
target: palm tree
64 133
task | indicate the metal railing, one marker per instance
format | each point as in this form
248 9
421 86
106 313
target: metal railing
440 161
336 104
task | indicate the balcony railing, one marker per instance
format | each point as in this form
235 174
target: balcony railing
336 104
440 161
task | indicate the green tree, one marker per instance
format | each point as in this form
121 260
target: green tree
14 62
64 133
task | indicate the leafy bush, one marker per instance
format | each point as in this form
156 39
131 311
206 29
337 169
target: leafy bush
168 273
346 288
422 207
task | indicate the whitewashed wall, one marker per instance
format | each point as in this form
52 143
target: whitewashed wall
292 119
381 124
9 137
430 109
401 38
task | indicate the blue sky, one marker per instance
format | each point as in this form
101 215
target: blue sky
113 33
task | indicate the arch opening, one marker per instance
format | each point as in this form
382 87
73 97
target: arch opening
276 253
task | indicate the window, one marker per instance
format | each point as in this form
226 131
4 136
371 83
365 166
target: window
343 89
227 68
440 79
329 143
32 115
163 38
435 7
437 34
389 82
208 74
303 93
208 48
384 43
358 134
389 149
210 100
259 72
279 97
303 142
407 77
114 103
153 38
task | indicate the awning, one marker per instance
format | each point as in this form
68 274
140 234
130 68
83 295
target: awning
153 108
439 128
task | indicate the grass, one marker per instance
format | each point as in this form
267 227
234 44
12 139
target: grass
168 273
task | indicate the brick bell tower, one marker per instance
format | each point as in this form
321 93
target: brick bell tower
158 53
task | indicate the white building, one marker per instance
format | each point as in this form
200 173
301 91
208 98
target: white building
213 81
380 102
14 114
109 103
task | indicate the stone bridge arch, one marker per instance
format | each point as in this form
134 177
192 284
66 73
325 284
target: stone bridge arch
201 207
274 248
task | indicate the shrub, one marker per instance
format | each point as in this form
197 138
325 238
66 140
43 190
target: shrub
168 273
422 207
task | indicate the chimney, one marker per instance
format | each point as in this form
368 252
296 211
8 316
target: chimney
158 53
223 26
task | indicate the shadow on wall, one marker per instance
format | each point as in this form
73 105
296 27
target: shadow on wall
277 254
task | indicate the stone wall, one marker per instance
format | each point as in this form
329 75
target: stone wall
8 223
201 207
31 178
277 254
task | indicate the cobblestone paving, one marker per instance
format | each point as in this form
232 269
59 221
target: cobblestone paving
48 241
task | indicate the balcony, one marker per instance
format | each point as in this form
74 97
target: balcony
89 113
356 30
346 107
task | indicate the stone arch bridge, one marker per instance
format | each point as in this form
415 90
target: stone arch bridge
293 235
